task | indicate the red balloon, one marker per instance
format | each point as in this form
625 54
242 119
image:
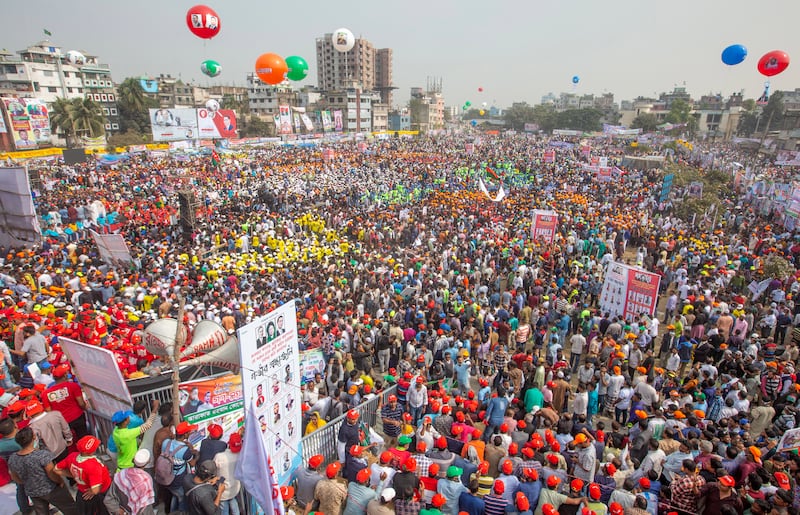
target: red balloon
480 90
271 68
773 63
203 21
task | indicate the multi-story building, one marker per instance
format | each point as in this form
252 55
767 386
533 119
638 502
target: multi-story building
354 102
337 70
265 99
43 72
400 120
171 93
380 117
383 74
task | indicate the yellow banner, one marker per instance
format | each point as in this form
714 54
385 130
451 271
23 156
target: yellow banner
31 154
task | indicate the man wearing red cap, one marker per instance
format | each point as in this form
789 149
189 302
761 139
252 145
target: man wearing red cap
331 492
392 417
417 400
91 476
51 428
211 445
66 397
359 494
714 496
551 496
307 478
226 465
349 434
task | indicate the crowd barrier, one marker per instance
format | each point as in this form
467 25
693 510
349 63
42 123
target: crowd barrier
323 441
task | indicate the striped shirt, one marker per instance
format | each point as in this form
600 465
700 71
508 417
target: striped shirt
495 505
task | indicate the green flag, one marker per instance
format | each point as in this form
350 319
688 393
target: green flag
47 32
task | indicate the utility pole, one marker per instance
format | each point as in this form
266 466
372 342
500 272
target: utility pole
180 336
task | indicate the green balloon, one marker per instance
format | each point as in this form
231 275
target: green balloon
211 68
467 103
298 67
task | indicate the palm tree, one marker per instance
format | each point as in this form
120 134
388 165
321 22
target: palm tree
131 94
61 118
87 117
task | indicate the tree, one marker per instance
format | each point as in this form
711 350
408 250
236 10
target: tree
256 127
126 139
131 94
518 115
772 115
87 117
748 119
133 106
648 122
679 112
61 119
579 119
242 106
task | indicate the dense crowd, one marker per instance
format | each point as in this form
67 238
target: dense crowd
514 392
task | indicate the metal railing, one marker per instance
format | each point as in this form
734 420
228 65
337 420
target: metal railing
324 440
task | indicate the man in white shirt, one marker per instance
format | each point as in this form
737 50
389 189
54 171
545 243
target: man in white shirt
226 464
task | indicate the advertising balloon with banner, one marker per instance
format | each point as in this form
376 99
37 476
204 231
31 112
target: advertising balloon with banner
271 378
629 291
773 63
544 225
174 124
215 124
343 40
213 401
203 21
297 66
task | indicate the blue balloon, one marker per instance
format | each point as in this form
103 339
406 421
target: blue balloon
474 123
576 79
734 54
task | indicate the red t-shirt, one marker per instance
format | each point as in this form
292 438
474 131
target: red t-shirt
87 471
63 397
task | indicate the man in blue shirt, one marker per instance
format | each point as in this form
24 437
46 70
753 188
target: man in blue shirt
495 412
469 502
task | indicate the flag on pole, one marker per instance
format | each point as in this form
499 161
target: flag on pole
214 159
47 32
254 467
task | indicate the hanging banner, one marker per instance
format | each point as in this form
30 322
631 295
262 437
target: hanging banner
629 291
286 119
326 121
311 362
213 401
271 377
20 121
338 125
544 225
549 156
307 122
99 375
296 122
277 120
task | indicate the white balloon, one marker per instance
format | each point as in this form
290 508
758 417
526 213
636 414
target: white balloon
75 57
212 105
343 40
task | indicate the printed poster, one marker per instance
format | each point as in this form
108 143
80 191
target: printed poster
20 122
549 156
216 124
326 121
272 378
337 121
286 119
98 371
629 291
544 225
174 124
213 401
311 362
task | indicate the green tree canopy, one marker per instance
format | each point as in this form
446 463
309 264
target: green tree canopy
645 121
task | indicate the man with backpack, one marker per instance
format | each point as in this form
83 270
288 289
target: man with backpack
172 465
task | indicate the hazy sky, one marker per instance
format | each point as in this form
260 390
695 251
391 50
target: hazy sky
514 49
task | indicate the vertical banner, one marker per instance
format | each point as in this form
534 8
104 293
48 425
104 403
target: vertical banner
326 121
296 122
285 120
586 151
549 156
40 120
544 225
337 121
469 148
307 122
629 291
271 378
99 374
19 122
666 187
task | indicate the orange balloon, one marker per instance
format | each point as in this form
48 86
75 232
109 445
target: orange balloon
271 68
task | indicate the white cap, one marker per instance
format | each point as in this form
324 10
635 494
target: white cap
387 495
141 458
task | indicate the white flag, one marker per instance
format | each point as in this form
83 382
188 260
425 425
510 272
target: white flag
254 467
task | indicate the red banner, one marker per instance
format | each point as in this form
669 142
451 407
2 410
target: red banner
641 295
544 225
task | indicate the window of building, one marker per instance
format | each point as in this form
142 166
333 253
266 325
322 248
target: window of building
115 126
105 111
108 126
97 97
94 83
110 97
52 89
113 111
104 97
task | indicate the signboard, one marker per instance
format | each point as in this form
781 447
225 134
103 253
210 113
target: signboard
28 122
216 124
214 401
338 126
311 362
696 189
268 346
531 127
99 376
174 124
113 249
544 225
549 156
666 186
629 291
285 117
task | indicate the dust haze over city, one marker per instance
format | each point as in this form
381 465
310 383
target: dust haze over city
515 51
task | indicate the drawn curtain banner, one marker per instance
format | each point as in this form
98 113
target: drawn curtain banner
19 226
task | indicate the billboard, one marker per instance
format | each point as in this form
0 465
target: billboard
271 383
544 225
326 120
285 117
28 122
629 291
213 401
174 124
337 121
216 124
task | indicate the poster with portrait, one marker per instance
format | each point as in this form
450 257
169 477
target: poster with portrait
213 401
337 121
216 124
272 379
629 291
311 362
40 120
174 124
326 121
19 123
285 115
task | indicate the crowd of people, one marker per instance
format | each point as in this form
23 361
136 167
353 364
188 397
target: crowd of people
514 391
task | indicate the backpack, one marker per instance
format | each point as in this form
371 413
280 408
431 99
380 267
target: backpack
164 468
